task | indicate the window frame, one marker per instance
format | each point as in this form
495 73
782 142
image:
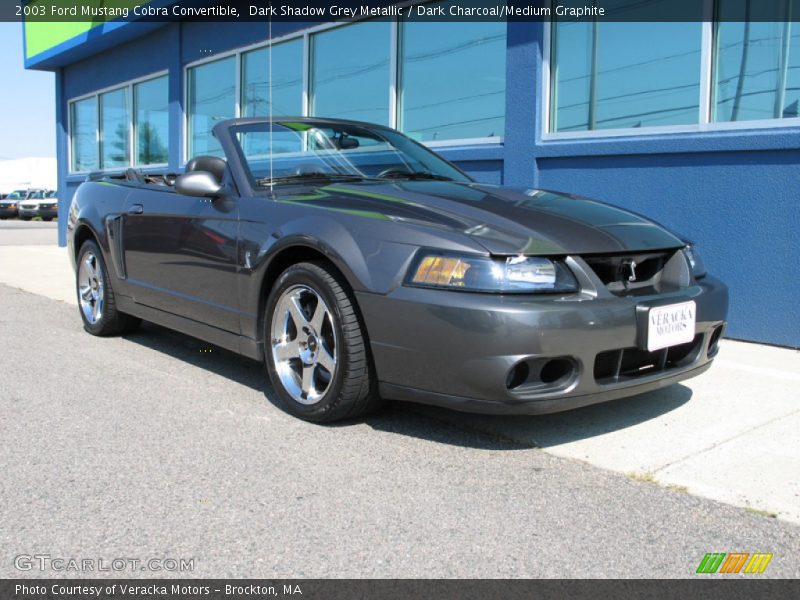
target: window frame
70 133
135 122
393 87
278 41
704 123
237 91
128 95
395 108
127 86
392 71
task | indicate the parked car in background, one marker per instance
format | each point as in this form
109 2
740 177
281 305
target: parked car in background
48 207
9 206
39 203
29 207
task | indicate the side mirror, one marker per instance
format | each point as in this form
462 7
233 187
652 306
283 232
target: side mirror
200 184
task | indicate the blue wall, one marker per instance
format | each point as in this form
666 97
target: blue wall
739 207
734 193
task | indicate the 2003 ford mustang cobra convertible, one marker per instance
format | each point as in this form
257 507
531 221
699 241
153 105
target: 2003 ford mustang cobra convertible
359 265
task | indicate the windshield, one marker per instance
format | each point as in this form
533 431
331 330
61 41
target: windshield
14 196
336 151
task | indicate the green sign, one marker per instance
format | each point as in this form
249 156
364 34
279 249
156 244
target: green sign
53 22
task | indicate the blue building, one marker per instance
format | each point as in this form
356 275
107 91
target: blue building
695 124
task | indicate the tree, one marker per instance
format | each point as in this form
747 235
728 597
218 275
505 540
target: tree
151 148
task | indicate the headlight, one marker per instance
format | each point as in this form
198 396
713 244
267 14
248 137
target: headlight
520 274
695 261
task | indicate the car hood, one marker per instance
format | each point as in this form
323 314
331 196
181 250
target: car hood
502 220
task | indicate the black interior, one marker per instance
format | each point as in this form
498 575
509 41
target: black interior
134 175
209 164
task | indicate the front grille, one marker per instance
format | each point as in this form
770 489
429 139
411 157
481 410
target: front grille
626 274
629 363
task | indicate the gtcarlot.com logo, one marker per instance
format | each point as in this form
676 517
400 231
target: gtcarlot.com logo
46 562
734 562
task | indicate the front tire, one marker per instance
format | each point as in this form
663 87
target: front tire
315 346
96 300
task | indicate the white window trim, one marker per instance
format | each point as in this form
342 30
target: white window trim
128 86
704 124
394 84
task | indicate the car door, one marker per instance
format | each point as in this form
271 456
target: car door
181 254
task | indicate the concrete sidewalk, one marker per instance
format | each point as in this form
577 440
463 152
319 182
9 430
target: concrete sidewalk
732 434
43 270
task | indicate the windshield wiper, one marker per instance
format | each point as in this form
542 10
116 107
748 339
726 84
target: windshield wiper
316 175
416 175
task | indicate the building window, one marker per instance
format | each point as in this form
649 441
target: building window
757 66
151 122
626 75
452 80
287 77
83 128
212 98
350 72
101 125
613 75
436 82
115 121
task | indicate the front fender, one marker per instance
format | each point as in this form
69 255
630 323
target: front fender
327 236
368 263
91 206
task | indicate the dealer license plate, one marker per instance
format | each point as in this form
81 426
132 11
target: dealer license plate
670 325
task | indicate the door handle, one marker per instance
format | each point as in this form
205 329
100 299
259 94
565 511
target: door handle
135 209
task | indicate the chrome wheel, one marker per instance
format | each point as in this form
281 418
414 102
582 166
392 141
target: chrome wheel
304 348
90 288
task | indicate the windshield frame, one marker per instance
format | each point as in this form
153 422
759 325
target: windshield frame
227 133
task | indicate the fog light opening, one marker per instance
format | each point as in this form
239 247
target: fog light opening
517 375
713 342
555 370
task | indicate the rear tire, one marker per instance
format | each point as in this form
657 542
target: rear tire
96 300
316 348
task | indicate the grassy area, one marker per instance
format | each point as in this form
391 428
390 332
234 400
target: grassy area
644 477
673 487
763 513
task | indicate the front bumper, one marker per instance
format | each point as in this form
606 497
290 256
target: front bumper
7 212
459 349
28 213
47 213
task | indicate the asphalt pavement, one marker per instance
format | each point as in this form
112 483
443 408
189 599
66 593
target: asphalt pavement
14 232
158 445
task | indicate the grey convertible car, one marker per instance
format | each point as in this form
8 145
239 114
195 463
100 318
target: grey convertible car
361 266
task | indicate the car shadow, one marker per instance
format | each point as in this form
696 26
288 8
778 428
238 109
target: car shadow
201 354
542 431
430 423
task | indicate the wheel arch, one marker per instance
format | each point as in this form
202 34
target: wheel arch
292 253
83 232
